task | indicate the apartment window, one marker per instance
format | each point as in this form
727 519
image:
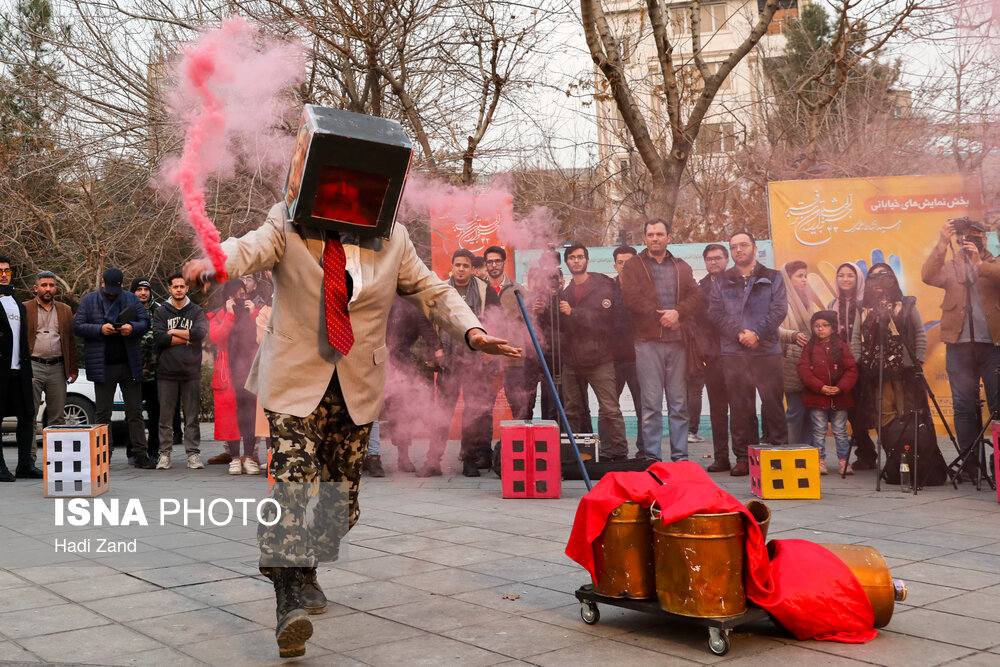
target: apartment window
713 18
717 138
619 119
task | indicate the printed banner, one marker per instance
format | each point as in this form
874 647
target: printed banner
454 226
894 219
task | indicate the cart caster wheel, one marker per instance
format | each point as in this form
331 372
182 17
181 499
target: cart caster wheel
718 641
589 613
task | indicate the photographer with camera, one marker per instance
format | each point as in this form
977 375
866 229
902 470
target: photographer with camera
970 318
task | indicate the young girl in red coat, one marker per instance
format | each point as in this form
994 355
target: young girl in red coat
828 374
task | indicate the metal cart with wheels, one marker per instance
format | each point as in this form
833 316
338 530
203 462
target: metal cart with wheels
719 629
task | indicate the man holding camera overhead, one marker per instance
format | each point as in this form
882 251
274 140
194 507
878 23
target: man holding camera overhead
970 318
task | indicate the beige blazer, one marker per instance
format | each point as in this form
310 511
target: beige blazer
295 363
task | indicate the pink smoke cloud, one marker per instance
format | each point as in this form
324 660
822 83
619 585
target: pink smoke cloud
229 100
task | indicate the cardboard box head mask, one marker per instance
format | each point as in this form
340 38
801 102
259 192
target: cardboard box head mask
347 172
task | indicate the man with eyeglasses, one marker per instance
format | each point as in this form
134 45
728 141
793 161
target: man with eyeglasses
15 377
586 307
747 304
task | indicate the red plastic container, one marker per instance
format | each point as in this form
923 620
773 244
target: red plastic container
529 459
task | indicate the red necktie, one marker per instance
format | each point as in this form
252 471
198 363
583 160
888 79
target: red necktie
338 320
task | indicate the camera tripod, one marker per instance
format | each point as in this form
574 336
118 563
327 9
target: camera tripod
975 454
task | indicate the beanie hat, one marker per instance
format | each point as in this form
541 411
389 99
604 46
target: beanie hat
828 315
139 282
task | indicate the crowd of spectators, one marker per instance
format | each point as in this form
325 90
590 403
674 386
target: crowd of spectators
743 331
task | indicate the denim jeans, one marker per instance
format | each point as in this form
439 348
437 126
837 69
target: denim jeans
662 368
797 418
966 363
838 422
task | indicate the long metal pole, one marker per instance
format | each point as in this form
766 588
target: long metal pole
552 387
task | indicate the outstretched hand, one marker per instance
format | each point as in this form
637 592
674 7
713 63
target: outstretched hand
481 341
198 273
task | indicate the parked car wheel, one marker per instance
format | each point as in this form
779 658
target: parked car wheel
79 411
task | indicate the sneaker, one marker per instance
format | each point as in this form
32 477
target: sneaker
250 467
164 462
822 468
194 462
694 437
845 468
235 467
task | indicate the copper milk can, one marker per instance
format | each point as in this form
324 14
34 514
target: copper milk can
762 513
623 554
699 564
871 571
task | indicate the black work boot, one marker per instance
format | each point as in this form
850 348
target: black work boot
313 598
373 465
5 474
294 627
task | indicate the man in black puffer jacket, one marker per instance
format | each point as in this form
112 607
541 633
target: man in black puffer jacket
587 309
111 323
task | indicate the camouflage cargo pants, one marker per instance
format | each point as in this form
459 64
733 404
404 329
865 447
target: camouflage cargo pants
316 463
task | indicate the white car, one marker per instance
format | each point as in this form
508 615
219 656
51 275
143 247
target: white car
81 406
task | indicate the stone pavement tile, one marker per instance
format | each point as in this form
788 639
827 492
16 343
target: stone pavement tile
944 627
46 574
198 625
185 538
689 641
148 560
922 594
950 540
85 589
401 544
567 582
40 555
352 552
229 591
346 633
984 604
893 648
245 566
182 575
449 581
441 613
458 555
614 621
860 528
970 560
48 620
365 532
908 518
143 605
984 525
401 523
460 534
791 654
425 650
523 568
557 555
951 576
332 577
989 549
9 580
812 536
26 597
518 637
251 649
529 598
517 545
890 548
90 645
209 553
371 595
388 565
12 653
422 509
975 660
602 653
160 656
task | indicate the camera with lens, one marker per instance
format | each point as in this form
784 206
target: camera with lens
962 227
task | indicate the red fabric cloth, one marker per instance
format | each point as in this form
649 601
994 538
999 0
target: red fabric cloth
806 587
335 297
220 325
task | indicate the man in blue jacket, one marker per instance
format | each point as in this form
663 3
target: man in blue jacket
111 323
746 305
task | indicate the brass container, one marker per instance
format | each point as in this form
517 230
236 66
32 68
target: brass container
699 565
762 513
623 555
871 571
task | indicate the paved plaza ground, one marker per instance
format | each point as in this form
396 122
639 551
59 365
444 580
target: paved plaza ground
445 572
